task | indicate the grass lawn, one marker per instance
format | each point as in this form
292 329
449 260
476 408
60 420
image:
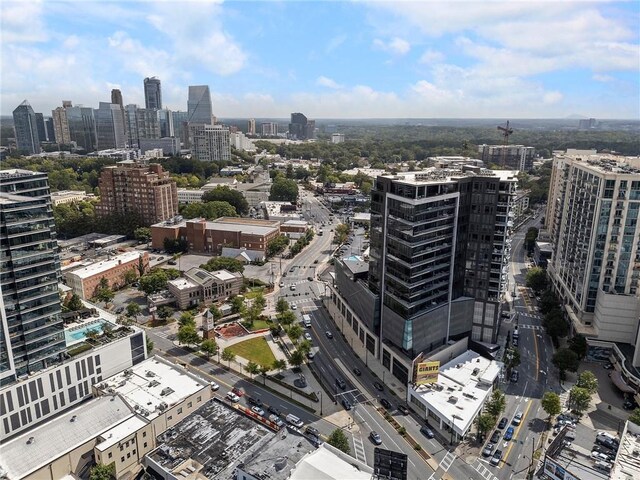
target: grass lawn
260 325
255 350
253 293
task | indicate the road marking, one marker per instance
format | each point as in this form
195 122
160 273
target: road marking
515 434
358 448
485 472
448 459
535 344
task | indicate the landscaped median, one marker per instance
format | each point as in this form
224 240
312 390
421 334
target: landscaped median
408 438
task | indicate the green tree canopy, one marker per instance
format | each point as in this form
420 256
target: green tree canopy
102 472
295 332
536 279
153 281
339 440
551 403
277 245
284 190
279 364
286 318
282 305
252 368
635 416
75 303
579 399
223 263
297 358
232 197
209 347
133 309
484 423
209 210
215 311
188 335
579 345
186 319
496 404
228 355
566 360
142 234
588 381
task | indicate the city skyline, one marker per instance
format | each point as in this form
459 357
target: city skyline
330 59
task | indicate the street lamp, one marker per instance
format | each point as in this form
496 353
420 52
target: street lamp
320 392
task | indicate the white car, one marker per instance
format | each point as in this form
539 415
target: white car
281 284
257 410
214 386
307 336
294 307
276 419
233 397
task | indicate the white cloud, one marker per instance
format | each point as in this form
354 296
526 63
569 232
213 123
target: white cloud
431 56
395 46
598 77
22 22
328 82
335 42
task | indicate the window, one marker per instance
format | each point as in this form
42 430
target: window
179 410
144 445
122 459
128 454
110 454
190 405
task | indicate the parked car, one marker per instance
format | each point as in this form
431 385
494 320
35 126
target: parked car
214 386
508 435
172 262
257 410
311 354
312 431
310 279
233 397
341 383
514 375
276 419
495 438
237 391
346 404
281 284
357 371
385 403
517 418
375 438
497 457
378 386
629 405
254 401
294 307
403 409
307 336
274 410
487 451
328 334
503 422
427 432
292 287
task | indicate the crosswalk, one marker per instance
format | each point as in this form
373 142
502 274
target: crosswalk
484 471
163 334
358 448
531 315
564 398
445 464
530 327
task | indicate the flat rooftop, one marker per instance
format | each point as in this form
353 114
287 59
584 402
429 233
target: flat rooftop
37 447
328 463
106 265
444 175
182 283
462 387
242 225
153 385
216 437
119 432
627 465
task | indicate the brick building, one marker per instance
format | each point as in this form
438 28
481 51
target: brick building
206 236
136 187
84 281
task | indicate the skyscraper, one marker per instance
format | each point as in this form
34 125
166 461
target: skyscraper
199 107
152 93
301 128
31 334
81 125
24 121
251 126
42 131
210 143
592 219
61 125
116 97
110 129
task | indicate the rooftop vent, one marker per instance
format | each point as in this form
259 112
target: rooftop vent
73 419
31 440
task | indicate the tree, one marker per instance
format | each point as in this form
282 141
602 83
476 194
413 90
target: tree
579 399
530 239
259 301
175 245
228 356
635 416
153 281
485 423
536 279
164 312
188 335
579 345
133 309
215 311
264 370
565 360
75 303
150 346
104 292
282 305
209 347
237 305
305 346
551 404
277 245
555 324
297 358
295 332
130 276
284 190
548 302
496 404
339 440
588 381
286 318
186 319
142 234
252 368
511 358
223 263
103 472
209 210
279 365
225 194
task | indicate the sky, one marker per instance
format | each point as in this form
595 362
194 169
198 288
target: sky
330 59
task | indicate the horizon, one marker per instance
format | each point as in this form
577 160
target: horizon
331 60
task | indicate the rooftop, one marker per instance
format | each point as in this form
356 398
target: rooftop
604 163
39 446
214 438
18 172
153 385
627 465
444 175
462 387
229 224
328 463
119 432
106 265
181 283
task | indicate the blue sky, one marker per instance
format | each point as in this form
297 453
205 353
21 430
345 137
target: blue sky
330 59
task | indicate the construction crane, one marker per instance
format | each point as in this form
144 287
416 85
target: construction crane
506 131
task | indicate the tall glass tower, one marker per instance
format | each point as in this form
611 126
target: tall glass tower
199 108
152 93
24 120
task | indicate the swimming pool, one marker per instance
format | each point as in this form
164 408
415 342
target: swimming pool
79 333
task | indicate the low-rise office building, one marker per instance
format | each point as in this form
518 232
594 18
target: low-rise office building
84 281
199 286
69 196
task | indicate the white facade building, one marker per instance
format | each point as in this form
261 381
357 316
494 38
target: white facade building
210 143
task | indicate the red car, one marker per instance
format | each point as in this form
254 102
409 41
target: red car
238 391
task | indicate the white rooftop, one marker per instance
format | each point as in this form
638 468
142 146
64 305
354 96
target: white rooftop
627 465
361 216
223 275
182 283
461 389
327 463
105 265
152 385
39 446
119 432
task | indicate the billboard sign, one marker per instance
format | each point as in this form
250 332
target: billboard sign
427 372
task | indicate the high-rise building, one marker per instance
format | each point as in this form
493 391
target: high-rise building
31 334
251 126
269 129
152 93
517 157
61 125
210 143
81 125
116 97
180 129
24 121
110 129
42 131
592 220
49 129
165 120
301 128
199 108
142 123
337 138
146 190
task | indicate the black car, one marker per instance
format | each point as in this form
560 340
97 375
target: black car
385 403
497 456
403 409
341 383
629 405
427 432
254 401
378 386
274 410
495 438
346 404
312 431
310 279
514 376
357 371
608 366
503 423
